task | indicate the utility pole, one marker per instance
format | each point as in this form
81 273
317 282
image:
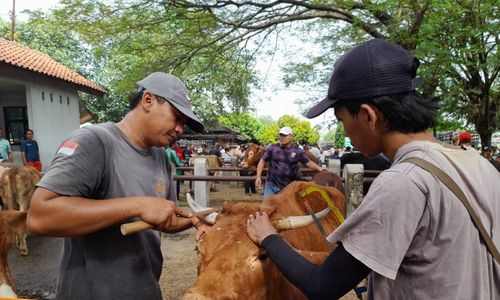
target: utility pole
13 19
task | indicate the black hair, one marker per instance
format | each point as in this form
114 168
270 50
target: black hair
134 100
407 112
27 130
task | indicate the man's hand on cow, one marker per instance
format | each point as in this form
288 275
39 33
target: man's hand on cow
259 227
201 226
258 182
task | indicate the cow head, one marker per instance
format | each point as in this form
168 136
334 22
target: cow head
252 156
326 178
231 266
11 222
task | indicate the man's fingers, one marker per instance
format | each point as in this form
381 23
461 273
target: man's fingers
181 213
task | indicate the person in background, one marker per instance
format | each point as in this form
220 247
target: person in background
5 149
29 151
226 156
174 159
204 150
336 154
192 150
283 158
411 234
465 140
216 150
180 152
317 153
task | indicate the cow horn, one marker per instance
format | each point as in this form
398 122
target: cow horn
197 208
294 222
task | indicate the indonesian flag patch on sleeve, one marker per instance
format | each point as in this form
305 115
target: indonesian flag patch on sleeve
67 148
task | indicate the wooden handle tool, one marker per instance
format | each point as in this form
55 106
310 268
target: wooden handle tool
137 226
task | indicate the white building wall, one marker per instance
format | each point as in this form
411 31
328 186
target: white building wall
53 113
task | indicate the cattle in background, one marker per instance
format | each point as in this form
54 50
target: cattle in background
326 178
254 153
231 266
11 223
17 185
213 161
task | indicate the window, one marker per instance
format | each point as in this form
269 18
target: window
16 122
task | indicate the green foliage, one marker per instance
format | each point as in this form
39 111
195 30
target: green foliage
303 132
339 135
246 124
328 137
136 38
269 135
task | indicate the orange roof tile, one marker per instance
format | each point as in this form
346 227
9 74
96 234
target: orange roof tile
20 56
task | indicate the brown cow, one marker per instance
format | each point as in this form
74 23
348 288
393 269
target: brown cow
254 153
11 223
17 185
231 266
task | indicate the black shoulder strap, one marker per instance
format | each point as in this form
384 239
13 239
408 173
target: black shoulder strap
455 189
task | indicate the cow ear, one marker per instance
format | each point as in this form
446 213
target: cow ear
14 218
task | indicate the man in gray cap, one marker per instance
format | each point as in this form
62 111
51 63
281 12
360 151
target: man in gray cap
108 174
412 233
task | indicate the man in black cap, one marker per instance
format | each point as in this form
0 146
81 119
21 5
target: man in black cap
411 233
108 174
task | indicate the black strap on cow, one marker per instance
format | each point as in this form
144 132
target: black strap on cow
455 189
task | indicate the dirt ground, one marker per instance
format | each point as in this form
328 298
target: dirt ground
36 274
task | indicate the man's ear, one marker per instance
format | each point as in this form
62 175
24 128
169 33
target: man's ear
147 101
370 115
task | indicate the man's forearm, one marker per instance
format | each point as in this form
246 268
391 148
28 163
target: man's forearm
260 168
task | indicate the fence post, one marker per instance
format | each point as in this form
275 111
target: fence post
334 166
353 185
201 188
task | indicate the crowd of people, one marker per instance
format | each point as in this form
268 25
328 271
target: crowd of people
411 236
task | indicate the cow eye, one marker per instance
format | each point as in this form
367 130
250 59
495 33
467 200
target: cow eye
262 256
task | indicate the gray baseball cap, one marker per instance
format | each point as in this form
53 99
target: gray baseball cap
174 91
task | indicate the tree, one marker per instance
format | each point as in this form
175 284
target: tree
339 135
457 40
327 141
135 38
247 125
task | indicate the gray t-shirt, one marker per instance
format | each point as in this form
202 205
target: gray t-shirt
99 162
418 238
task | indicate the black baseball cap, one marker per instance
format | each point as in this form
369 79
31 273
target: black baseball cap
374 68
174 91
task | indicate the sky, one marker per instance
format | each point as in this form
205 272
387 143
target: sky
271 99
